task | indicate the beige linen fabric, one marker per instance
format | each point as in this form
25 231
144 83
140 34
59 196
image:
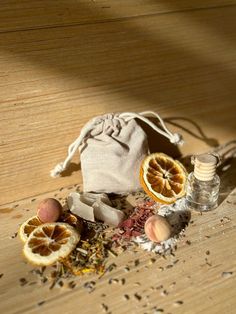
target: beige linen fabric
111 148
111 155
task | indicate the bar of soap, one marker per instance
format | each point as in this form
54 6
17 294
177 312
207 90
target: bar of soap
90 206
157 228
108 214
79 208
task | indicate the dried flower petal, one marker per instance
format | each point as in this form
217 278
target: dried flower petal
134 225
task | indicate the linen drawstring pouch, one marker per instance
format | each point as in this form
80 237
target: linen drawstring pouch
112 147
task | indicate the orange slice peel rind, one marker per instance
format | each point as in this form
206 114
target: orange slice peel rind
50 242
163 178
28 227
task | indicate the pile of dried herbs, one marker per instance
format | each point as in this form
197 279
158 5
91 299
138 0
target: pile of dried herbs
91 252
97 242
89 256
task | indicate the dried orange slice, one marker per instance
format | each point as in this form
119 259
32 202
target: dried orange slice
74 221
28 226
163 178
50 242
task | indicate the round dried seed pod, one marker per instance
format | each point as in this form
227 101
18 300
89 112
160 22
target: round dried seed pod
49 210
157 228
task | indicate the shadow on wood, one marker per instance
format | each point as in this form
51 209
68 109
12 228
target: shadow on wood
72 167
227 170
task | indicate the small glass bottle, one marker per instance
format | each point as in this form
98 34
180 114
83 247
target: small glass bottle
203 184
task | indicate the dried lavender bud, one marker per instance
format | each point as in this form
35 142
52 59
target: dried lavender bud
126 297
14 235
72 285
104 307
41 303
137 297
23 281
178 303
136 262
126 269
122 281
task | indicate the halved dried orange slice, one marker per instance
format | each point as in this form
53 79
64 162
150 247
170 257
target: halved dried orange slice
28 226
163 178
50 242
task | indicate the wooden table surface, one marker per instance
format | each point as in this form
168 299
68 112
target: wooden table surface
199 278
64 62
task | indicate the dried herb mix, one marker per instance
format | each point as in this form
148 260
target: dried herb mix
98 242
90 253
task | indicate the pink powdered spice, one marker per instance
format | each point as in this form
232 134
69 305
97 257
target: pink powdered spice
134 225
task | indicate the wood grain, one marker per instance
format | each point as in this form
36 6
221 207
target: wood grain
53 81
64 62
24 15
193 275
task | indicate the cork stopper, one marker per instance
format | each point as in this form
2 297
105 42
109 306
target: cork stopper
205 167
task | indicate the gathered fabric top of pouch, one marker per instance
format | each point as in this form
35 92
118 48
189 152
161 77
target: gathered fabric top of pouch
111 125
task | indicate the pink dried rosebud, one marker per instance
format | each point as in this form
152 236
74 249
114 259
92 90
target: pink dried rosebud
49 210
157 228
128 223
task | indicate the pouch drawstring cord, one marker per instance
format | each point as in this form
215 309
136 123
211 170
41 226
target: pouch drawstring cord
174 138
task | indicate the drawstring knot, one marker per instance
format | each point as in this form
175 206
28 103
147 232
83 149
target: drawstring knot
177 138
58 169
